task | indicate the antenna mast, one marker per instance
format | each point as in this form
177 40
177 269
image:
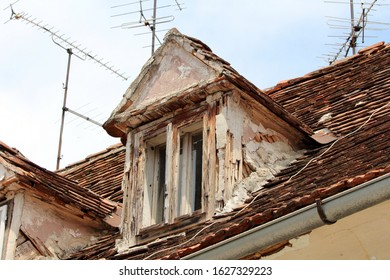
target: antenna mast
353 36
153 27
63 109
357 28
82 54
149 21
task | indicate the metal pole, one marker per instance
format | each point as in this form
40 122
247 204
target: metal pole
83 117
353 36
154 25
64 109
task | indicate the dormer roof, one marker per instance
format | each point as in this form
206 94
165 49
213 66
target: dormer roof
183 71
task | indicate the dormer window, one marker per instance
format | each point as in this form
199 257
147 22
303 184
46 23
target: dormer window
191 140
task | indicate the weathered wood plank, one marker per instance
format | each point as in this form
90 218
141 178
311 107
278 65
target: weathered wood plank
170 200
209 165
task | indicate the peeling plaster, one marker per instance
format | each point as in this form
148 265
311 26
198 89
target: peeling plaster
267 159
185 71
222 127
67 241
271 156
2 172
172 71
56 231
325 117
240 140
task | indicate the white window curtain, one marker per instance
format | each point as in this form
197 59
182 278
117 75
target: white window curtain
3 219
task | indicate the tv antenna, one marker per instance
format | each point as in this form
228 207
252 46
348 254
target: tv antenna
356 27
147 17
72 48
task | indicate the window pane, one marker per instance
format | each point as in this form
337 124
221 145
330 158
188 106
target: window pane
161 184
197 145
3 218
190 173
180 186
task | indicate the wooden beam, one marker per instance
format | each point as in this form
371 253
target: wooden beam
209 165
14 225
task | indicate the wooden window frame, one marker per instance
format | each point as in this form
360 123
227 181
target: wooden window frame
165 210
137 225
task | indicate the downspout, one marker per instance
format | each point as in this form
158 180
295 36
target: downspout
299 222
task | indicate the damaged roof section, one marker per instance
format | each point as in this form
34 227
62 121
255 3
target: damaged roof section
320 179
24 172
351 99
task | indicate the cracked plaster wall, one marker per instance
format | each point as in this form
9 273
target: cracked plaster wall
53 231
267 159
175 71
241 141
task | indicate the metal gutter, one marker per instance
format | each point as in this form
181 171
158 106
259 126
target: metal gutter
299 222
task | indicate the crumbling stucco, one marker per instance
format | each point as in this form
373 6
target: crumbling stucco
266 160
176 70
54 233
2 173
5 175
240 141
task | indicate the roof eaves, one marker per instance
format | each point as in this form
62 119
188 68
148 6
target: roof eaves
54 184
299 222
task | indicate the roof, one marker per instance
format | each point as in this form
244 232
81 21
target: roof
350 100
63 189
210 74
101 173
331 97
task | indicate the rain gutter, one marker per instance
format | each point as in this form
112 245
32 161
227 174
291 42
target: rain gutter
299 222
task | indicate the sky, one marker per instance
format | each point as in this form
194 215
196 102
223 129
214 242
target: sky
265 41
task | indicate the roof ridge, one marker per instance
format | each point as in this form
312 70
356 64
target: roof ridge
11 150
62 187
326 69
91 158
175 32
373 47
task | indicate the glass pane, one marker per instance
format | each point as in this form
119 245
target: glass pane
3 218
161 184
190 173
180 187
197 145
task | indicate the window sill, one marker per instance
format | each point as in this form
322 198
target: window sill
161 230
